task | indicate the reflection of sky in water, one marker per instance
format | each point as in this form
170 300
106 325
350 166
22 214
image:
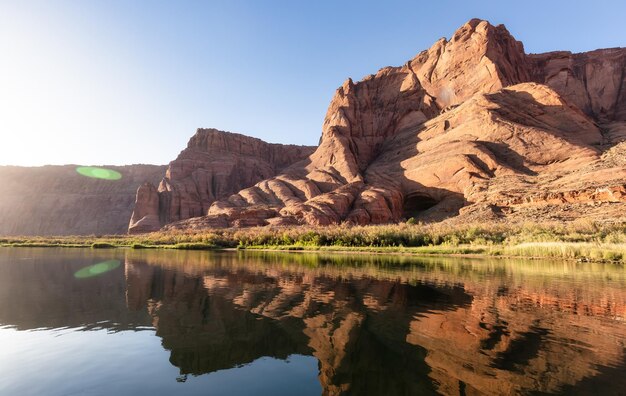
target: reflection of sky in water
99 173
104 363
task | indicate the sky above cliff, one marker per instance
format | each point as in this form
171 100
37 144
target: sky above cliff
123 82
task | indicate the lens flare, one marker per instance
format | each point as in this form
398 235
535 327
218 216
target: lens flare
97 269
99 173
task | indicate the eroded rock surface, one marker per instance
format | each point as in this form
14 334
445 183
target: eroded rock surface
214 165
593 81
471 127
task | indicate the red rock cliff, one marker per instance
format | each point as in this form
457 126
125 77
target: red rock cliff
214 165
467 127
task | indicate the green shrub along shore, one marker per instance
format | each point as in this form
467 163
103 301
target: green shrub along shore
581 240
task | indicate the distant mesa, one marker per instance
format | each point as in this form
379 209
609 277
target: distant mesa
57 200
472 129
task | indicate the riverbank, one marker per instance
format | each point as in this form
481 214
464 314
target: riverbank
582 240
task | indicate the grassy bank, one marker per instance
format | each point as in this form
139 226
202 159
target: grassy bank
583 240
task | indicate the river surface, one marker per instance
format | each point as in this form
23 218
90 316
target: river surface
139 322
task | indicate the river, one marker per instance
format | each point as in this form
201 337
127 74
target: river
155 322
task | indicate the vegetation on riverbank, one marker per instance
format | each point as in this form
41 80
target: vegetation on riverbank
581 240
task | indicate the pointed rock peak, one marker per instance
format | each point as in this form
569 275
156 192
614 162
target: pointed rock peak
470 27
347 86
482 30
479 57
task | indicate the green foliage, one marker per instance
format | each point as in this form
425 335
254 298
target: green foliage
102 245
580 240
136 245
194 246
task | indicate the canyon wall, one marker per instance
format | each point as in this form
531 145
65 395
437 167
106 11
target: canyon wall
56 200
214 165
471 129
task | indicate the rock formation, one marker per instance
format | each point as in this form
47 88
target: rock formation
593 81
56 200
214 165
471 128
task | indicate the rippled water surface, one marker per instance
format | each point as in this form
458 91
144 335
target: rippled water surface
117 322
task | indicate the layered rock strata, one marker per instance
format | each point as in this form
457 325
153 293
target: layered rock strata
471 127
214 165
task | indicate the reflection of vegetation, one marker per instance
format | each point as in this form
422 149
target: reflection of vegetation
388 324
229 309
586 241
379 324
483 272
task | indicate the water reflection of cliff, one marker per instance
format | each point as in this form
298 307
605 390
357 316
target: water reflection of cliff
376 325
436 326
227 314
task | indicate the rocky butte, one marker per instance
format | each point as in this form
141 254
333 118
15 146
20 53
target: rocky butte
214 166
471 129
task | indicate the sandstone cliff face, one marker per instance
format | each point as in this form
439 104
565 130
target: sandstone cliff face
56 200
479 57
593 81
214 165
467 127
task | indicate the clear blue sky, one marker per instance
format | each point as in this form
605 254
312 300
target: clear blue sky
120 82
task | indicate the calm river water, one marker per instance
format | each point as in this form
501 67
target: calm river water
122 322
